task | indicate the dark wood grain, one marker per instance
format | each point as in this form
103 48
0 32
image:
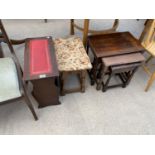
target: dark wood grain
114 44
123 59
124 66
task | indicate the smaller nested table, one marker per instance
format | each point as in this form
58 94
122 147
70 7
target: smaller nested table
123 66
40 67
107 45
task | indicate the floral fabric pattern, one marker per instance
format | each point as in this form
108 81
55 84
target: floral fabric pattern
71 54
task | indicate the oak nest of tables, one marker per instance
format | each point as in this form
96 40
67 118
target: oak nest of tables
110 45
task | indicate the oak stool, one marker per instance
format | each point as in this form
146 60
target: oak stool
72 59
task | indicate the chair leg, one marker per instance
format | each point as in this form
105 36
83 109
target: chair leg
72 27
85 31
28 102
152 78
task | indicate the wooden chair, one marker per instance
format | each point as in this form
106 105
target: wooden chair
147 39
85 29
12 86
4 38
10 42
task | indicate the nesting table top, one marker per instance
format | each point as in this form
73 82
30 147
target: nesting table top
114 44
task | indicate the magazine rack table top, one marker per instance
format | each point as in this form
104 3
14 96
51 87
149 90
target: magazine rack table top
39 59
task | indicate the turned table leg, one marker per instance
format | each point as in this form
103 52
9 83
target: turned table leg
93 72
102 72
82 80
63 78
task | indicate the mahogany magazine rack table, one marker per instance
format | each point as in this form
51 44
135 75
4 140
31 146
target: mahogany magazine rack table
40 67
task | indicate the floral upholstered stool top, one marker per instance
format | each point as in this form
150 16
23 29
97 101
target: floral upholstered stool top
72 58
71 55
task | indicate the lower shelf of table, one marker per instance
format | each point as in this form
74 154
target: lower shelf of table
45 91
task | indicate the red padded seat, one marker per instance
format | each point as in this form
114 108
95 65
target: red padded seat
40 62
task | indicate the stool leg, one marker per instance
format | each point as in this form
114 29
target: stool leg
62 81
82 80
152 78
